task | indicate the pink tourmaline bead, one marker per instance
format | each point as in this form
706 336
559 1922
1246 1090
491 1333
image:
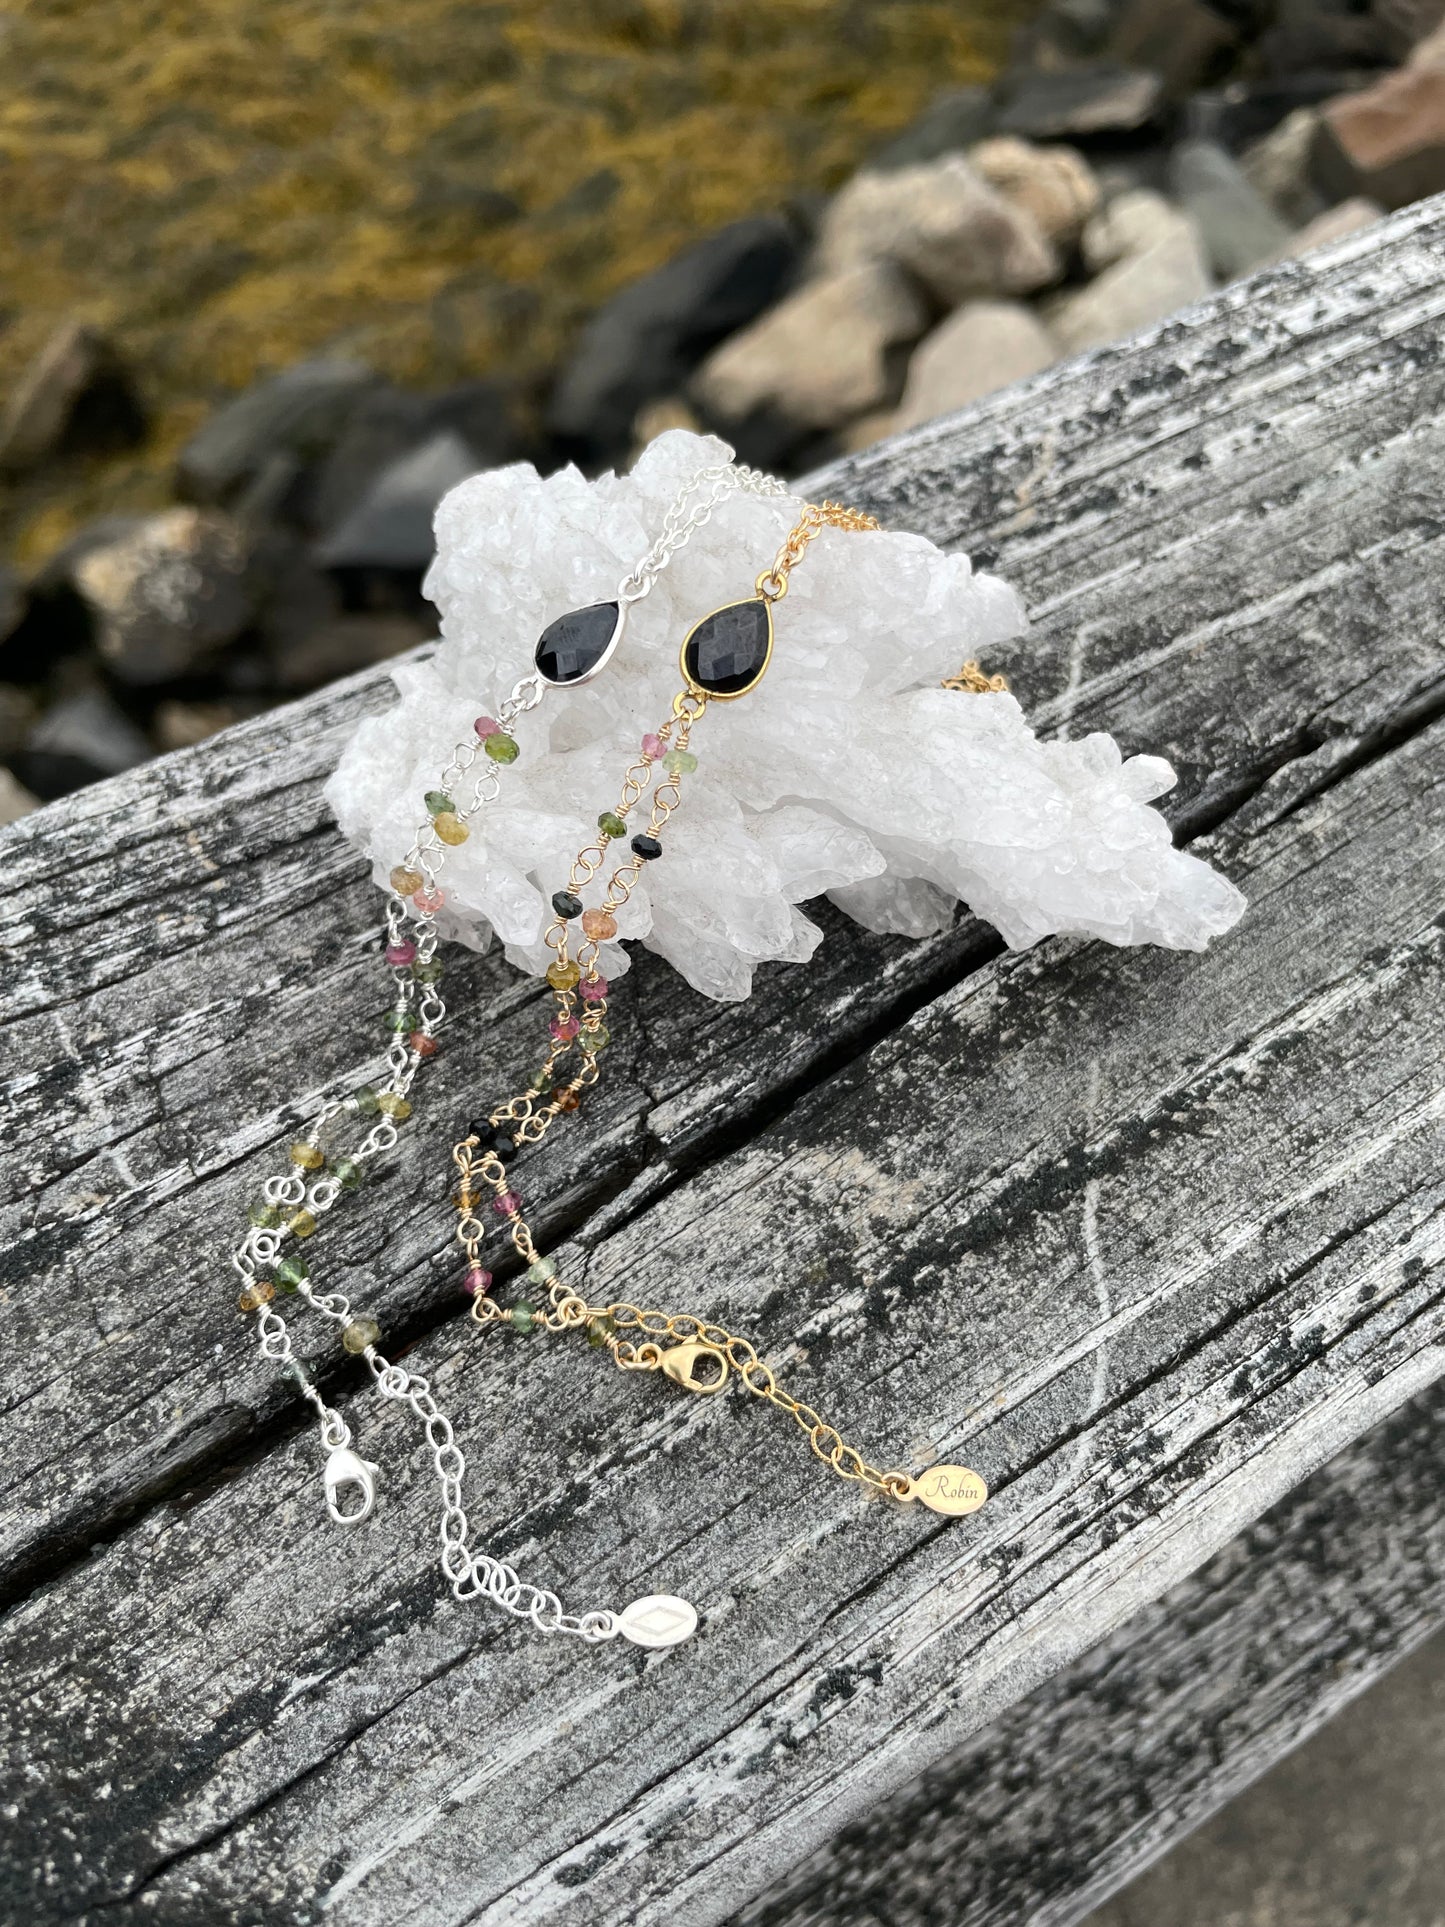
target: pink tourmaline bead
477 1280
486 726
400 953
593 990
429 900
653 746
508 1204
564 1027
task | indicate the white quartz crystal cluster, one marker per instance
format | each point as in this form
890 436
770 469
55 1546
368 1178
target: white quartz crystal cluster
847 772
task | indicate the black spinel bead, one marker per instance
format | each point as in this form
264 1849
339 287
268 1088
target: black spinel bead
505 1145
484 1131
566 905
647 847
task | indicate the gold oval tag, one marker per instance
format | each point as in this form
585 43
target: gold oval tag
953 1489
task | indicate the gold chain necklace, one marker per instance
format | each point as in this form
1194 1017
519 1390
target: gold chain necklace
723 657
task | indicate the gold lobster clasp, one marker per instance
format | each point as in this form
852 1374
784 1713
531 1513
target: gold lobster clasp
681 1362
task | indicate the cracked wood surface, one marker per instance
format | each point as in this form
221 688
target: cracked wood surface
930 1179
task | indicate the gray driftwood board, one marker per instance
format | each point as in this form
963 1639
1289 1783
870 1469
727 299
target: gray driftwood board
1148 1238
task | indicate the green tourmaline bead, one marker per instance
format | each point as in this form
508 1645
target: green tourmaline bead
360 1333
595 1040
398 1020
542 1081
266 1217
291 1272
679 762
365 1101
541 1273
347 1173
438 802
524 1318
599 1330
501 747
611 824
430 972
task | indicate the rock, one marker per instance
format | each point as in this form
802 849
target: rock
1135 292
1237 225
1409 25
1064 32
1307 35
656 417
647 340
950 124
1428 56
945 224
289 419
12 602
15 800
18 714
342 643
983 346
1183 41
1055 186
168 593
387 424
1130 224
1237 115
821 357
1387 142
1333 225
868 430
1080 103
1278 167
178 725
391 526
75 398
84 737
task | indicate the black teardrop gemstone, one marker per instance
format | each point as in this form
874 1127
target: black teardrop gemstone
573 645
728 651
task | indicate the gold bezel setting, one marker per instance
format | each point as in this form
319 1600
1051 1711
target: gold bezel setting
732 695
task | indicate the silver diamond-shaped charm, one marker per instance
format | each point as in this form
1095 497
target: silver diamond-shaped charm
657 1619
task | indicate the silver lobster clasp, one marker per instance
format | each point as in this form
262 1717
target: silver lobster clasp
344 1467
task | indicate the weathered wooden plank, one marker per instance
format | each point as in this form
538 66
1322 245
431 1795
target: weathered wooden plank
1228 536
1081 1784
1226 1166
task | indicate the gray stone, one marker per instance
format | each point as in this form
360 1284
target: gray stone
18 713
1129 224
75 397
984 345
391 526
389 423
1277 166
647 340
1183 41
1054 186
1333 225
1138 290
821 357
293 417
1428 56
1081 102
85 736
1237 225
950 124
15 800
953 232
1387 142
341 643
167 594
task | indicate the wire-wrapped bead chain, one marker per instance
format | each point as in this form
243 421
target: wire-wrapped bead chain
294 1201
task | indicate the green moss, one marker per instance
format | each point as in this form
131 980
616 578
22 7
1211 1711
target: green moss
227 188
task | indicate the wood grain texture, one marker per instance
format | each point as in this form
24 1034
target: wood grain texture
931 1179
1078 1786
